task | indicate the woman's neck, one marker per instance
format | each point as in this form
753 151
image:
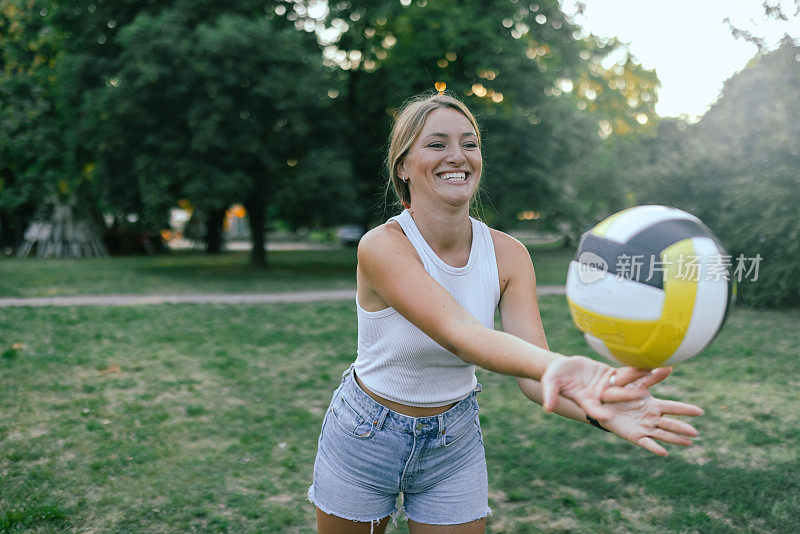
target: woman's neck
447 231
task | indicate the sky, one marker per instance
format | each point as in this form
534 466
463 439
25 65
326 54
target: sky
686 41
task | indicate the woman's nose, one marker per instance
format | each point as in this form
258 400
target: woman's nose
456 156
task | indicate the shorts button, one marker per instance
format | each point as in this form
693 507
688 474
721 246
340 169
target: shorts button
419 427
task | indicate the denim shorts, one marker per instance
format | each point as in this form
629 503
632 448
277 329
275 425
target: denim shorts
368 455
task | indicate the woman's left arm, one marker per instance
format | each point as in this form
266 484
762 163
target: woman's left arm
519 312
639 421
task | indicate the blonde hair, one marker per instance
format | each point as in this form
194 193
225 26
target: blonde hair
408 124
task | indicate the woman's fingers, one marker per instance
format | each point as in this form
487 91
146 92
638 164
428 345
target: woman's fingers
641 378
680 408
669 437
620 394
627 375
652 446
676 426
649 443
654 377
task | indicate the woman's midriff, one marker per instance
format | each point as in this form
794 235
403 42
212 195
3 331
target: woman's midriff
411 411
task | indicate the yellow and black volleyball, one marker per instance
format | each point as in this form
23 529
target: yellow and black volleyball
650 286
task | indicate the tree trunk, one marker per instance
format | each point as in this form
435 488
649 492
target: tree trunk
256 216
8 233
13 222
214 220
362 166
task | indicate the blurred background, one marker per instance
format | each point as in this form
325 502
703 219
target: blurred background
140 126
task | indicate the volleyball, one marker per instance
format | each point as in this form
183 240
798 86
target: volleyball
649 286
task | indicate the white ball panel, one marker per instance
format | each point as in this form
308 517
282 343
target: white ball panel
614 297
710 303
634 221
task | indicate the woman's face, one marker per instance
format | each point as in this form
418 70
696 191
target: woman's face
444 162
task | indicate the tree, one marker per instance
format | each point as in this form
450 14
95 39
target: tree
216 116
510 61
28 118
596 173
750 140
149 103
778 11
737 170
58 56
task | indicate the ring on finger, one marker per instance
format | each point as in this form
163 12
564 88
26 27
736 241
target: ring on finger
613 380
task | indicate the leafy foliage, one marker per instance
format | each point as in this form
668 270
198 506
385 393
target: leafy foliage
520 67
737 169
28 117
130 107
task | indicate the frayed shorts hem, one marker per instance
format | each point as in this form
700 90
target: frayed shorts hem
394 514
486 513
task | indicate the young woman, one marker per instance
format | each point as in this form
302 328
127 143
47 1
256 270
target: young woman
405 417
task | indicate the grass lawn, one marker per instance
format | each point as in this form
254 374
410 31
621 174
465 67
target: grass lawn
181 418
178 273
193 272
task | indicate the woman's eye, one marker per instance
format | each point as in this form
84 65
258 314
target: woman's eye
436 145
470 145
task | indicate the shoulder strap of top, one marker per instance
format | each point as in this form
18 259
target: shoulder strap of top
491 259
412 232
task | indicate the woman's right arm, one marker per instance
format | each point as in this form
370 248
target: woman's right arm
390 267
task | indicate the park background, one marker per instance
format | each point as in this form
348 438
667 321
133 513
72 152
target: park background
275 114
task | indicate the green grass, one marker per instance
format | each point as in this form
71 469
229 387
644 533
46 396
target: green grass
178 273
204 418
550 264
192 272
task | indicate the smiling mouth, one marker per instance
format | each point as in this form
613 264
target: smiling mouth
453 176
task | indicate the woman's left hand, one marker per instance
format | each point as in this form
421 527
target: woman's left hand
590 383
646 419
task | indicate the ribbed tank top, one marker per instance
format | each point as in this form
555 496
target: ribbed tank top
401 363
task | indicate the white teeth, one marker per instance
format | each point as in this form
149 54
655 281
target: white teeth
452 176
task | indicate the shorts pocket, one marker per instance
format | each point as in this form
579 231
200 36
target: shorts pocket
350 420
461 426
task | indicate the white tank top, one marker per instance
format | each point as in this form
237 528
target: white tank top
401 363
